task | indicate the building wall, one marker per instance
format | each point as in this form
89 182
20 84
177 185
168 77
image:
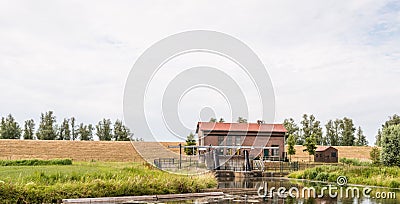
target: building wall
258 141
326 156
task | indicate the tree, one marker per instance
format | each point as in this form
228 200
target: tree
241 120
121 132
390 142
337 126
305 129
9 128
330 133
190 141
393 120
361 140
213 120
47 127
74 135
291 142
311 126
292 129
85 132
29 130
103 130
348 132
375 155
310 145
64 132
221 120
378 138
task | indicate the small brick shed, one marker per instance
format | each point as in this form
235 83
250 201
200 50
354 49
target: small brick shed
326 154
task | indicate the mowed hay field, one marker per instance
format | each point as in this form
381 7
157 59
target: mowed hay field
121 151
355 152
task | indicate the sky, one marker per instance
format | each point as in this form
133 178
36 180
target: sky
328 58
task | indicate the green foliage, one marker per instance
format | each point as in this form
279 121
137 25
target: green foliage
348 130
310 145
311 128
221 120
121 132
361 140
64 132
83 180
291 142
85 132
333 132
213 120
103 130
292 129
190 141
354 162
393 120
9 128
365 175
74 135
35 162
375 156
390 143
47 127
29 130
241 120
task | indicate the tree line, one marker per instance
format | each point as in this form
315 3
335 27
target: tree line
338 132
68 129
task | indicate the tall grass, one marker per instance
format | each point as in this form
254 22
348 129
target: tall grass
364 175
355 162
51 184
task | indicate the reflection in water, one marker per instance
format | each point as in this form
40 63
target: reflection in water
245 191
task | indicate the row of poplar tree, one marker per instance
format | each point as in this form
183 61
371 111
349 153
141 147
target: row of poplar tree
69 129
338 132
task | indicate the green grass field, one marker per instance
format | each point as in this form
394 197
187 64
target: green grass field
51 183
364 175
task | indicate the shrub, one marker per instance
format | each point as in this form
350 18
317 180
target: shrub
35 162
354 162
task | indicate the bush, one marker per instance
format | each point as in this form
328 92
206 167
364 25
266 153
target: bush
375 156
35 162
354 162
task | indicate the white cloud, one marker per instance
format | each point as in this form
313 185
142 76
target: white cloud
328 58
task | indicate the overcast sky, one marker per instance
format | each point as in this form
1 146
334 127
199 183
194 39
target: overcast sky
329 58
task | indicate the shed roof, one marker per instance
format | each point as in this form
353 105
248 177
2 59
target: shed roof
245 127
323 148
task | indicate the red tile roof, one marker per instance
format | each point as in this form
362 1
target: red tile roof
323 148
253 127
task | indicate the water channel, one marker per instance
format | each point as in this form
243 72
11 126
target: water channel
248 191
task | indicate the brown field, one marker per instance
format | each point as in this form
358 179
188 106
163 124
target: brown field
361 153
76 150
118 151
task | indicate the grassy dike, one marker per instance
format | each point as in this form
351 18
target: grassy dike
364 175
51 183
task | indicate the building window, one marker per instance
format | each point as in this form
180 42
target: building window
221 143
275 152
229 141
333 154
220 140
238 140
316 155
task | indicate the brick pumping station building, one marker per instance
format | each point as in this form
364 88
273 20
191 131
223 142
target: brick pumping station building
231 141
